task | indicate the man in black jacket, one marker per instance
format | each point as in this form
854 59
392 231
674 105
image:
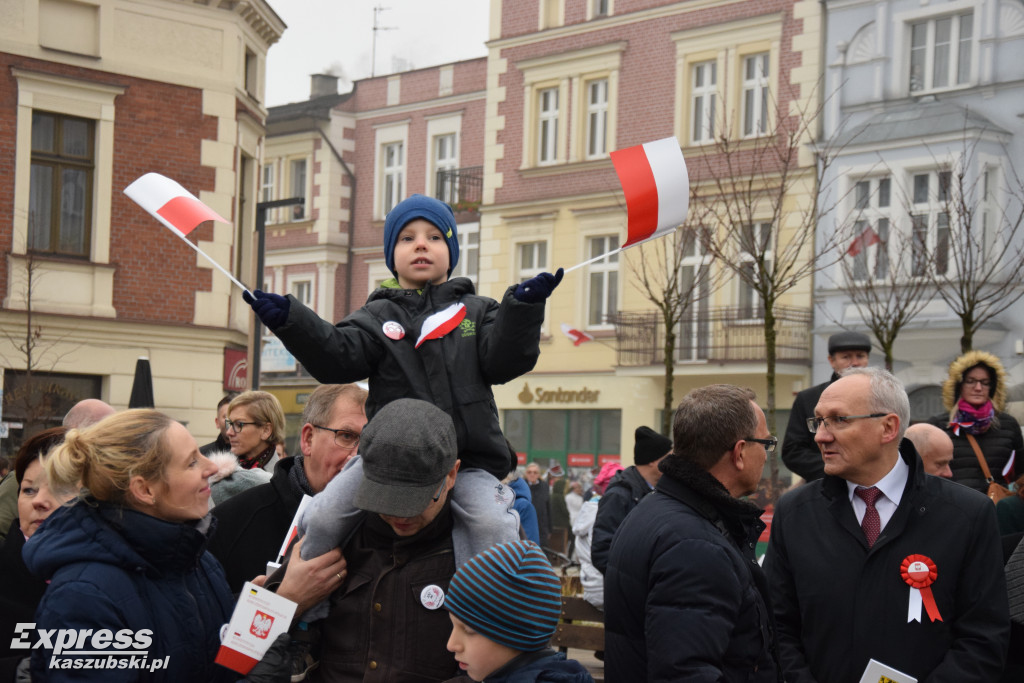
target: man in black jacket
799 452
625 491
252 525
878 561
685 600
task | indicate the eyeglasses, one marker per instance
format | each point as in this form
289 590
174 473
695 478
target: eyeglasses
342 437
970 381
769 444
238 425
833 422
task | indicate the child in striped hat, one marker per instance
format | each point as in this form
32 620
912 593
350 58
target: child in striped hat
504 605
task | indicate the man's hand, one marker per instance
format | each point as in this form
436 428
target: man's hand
307 582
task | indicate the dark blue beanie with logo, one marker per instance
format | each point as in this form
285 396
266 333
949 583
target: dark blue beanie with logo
433 211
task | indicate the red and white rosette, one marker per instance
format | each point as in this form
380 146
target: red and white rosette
919 571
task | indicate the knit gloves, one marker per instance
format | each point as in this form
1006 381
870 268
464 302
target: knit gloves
538 288
272 309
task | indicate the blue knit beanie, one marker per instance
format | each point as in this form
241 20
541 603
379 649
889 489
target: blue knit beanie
429 209
510 594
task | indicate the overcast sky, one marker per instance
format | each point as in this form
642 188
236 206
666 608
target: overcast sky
336 36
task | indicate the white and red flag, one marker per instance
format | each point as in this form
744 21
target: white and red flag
657 188
863 241
577 336
1008 471
441 323
177 208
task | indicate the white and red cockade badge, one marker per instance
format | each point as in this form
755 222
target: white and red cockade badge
393 330
919 571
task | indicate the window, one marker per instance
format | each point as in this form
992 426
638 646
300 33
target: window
394 175
603 286
597 118
298 168
252 77
755 95
446 162
469 252
940 52
267 190
60 188
302 290
756 244
547 141
600 7
704 99
869 247
929 223
533 259
694 338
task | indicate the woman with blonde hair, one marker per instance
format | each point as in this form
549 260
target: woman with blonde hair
126 560
255 427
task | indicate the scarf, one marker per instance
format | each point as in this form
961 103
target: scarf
297 477
975 419
259 460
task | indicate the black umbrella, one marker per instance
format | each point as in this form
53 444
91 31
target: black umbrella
142 385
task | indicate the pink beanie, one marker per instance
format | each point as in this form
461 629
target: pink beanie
603 477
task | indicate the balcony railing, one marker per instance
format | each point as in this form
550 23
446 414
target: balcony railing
461 187
726 333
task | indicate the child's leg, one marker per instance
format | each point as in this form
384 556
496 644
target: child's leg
483 514
330 518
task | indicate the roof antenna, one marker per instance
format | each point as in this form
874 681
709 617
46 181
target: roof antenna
377 27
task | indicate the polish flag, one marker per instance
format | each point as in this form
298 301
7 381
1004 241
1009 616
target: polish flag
1008 470
170 203
577 336
441 323
657 188
863 241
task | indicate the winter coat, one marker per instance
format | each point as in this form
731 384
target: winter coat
583 528
230 479
20 593
252 525
622 495
377 627
546 666
839 603
540 496
684 598
492 345
997 443
114 568
524 506
799 451
559 510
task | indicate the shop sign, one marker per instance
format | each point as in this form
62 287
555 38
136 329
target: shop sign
581 460
558 395
605 459
236 370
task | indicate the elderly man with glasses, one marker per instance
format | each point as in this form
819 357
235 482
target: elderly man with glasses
877 567
684 598
252 524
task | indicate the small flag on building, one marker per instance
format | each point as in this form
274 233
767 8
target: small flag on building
441 323
578 337
657 188
863 241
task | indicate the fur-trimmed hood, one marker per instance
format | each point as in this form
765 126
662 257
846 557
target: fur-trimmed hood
230 479
951 387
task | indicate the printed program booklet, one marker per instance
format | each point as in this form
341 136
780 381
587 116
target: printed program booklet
259 618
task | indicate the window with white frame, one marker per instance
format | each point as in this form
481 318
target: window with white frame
547 118
393 180
755 95
532 259
869 247
603 280
694 327
60 187
298 188
597 118
704 98
600 8
929 222
756 242
469 252
446 162
940 52
302 290
267 189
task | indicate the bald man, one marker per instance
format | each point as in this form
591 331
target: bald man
87 412
935 448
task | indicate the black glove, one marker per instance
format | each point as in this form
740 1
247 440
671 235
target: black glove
276 665
272 309
538 288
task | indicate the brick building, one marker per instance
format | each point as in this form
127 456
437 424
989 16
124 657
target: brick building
92 96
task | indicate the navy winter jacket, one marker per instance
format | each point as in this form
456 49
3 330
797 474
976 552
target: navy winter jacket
114 568
524 506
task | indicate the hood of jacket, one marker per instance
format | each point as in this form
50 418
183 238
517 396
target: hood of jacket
521 488
951 387
91 531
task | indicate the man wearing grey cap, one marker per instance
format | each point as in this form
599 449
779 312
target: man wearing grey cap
386 617
799 452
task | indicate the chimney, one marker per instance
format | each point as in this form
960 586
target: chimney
323 84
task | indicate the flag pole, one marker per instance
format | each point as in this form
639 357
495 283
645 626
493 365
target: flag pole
210 259
595 259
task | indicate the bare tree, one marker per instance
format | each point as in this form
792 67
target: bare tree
975 254
672 274
761 203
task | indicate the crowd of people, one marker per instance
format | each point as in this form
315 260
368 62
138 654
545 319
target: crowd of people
421 553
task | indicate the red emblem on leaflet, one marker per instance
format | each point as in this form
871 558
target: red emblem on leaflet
393 330
920 572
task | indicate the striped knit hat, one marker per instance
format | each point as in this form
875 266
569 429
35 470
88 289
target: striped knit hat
510 594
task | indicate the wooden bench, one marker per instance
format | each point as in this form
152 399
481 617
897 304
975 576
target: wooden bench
587 636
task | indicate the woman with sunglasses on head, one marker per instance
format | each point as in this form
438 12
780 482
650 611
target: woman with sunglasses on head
975 395
127 561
